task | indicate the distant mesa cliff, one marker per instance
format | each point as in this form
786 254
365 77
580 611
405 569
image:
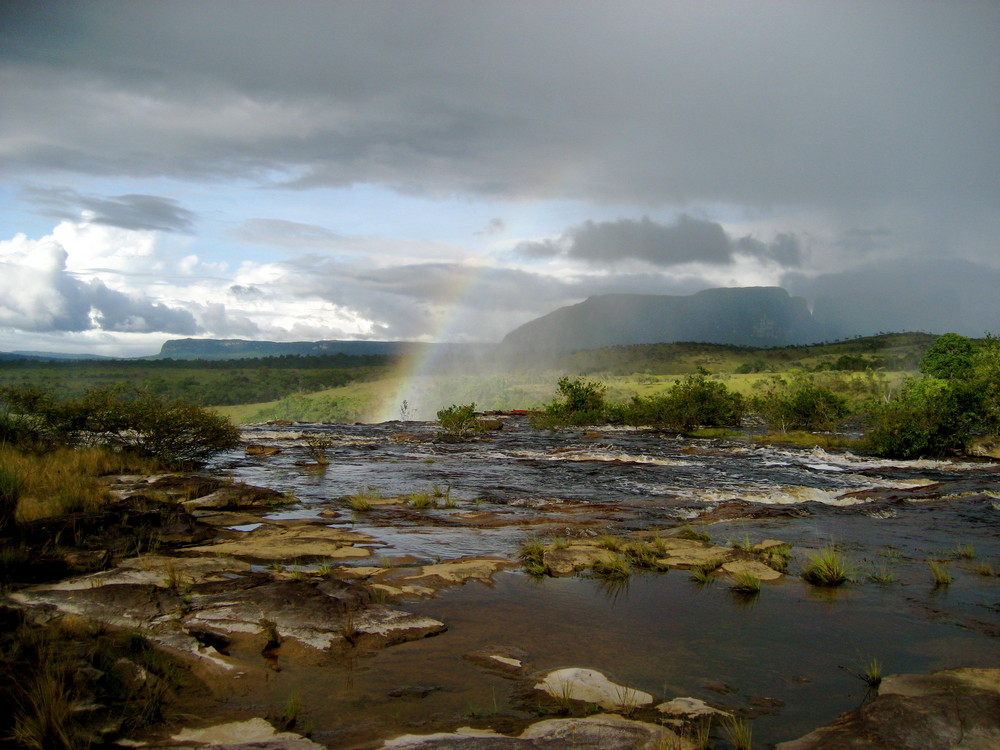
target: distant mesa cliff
748 316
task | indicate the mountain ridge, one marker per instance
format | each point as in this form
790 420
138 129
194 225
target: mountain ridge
743 316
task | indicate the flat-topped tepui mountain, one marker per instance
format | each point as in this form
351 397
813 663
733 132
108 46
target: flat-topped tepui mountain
749 316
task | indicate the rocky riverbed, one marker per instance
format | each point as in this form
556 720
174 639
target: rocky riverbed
388 597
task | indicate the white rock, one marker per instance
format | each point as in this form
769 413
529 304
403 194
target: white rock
590 686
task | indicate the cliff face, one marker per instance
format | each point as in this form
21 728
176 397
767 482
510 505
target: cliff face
752 316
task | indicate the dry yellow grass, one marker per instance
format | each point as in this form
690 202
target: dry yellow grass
67 479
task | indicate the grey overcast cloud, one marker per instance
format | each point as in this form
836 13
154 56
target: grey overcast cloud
449 170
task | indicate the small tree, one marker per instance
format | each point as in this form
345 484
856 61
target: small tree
950 356
929 417
801 404
582 403
692 402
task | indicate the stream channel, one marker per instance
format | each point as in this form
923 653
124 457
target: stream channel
783 656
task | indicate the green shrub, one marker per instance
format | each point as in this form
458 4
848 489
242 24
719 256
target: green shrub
124 418
458 421
582 403
801 405
689 403
950 356
929 417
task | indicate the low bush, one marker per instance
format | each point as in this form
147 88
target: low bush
122 417
929 417
801 404
458 421
695 401
582 403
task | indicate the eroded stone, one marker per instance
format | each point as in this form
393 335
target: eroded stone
590 686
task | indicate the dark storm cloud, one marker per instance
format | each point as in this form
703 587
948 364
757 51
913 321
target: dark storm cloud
686 240
936 296
814 103
137 212
246 292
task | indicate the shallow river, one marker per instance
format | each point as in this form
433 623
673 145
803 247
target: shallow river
785 653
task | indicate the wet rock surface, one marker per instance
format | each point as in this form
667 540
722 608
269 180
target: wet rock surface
949 709
599 732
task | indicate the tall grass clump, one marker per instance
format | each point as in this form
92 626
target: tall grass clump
964 551
65 480
686 532
871 673
12 484
532 556
827 568
940 573
738 732
614 566
44 719
746 582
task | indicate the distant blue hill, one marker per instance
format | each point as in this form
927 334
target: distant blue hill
49 355
243 349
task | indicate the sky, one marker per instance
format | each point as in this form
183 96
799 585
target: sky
446 171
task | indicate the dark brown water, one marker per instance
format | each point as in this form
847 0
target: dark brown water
662 633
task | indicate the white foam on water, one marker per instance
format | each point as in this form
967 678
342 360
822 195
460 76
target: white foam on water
788 495
590 454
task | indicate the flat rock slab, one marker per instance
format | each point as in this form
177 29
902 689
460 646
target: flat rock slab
568 560
753 567
319 615
508 661
307 542
687 554
958 708
154 570
460 571
590 686
255 733
689 708
599 732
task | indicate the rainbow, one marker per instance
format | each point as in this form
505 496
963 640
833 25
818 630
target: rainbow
418 363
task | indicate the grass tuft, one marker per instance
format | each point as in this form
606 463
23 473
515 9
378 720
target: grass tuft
746 582
827 568
609 542
738 732
940 573
421 500
964 551
881 574
532 556
984 569
614 566
686 532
